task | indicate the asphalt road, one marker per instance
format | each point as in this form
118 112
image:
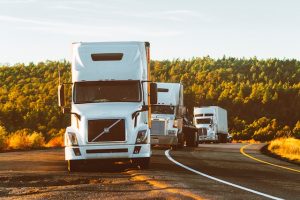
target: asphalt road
42 174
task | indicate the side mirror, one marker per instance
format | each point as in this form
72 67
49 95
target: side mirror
144 108
61 95
153 93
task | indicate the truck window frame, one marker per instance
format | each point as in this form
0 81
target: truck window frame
139 89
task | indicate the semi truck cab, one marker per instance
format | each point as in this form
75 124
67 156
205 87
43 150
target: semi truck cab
206 126
167 116
111 103
211 123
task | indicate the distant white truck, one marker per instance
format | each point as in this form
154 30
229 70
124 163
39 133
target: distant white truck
111 103
167 115
211 123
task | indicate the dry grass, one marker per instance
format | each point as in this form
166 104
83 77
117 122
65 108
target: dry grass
36 140
57 140
25 139
286 147
252 141
19 140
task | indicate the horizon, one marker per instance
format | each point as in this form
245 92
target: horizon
173 59
40 30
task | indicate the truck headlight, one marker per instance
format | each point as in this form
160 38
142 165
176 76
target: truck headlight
72 139
141 137
175 125
171 132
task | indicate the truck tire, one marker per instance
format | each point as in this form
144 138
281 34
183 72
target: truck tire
173 147
222 138
73 165
192 140
142 163
180 142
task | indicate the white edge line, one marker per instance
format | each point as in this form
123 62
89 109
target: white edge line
219 180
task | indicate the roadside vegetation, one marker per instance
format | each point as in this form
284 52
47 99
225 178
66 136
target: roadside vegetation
261 97
26 139
288 148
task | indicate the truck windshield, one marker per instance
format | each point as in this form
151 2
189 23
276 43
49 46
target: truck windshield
107 91
162 109
204 121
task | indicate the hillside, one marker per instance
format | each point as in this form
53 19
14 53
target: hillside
262 96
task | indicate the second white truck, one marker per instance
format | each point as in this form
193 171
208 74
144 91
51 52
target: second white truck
167 115
211 123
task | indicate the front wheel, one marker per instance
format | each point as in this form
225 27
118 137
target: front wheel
192 140
180 143
73 165
143 163
222 138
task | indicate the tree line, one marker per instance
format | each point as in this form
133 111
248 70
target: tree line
262 96
257 93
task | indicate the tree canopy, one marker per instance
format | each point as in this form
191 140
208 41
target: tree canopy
264 93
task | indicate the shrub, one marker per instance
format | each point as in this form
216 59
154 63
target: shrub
296 130
244 135
57 140
20 139
36 140
52 133
284 132
265 129
238 125
264 134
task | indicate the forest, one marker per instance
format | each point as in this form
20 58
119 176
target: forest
262 96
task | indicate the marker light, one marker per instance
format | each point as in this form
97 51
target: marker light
72 139
141 137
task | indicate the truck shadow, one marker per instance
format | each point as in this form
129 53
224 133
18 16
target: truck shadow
106 166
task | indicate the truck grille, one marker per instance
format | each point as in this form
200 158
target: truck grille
158 127
202 131
104 130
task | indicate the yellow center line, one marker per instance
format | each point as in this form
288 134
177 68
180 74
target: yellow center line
265 162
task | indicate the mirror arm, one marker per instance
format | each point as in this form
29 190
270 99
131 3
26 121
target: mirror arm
77 115
67 111
144 108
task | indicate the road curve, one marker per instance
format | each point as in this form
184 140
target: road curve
42 174
225 162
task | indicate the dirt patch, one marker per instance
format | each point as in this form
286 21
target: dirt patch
45 181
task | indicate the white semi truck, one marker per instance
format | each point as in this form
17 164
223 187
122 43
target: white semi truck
211 123
111 103
167 115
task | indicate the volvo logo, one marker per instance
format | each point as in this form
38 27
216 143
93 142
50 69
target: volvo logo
106 130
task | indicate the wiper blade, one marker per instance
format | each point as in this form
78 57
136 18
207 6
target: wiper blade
101 100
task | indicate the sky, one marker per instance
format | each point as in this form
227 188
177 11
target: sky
39 30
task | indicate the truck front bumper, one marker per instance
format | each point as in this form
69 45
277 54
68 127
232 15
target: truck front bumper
163 140
208 138
107 152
